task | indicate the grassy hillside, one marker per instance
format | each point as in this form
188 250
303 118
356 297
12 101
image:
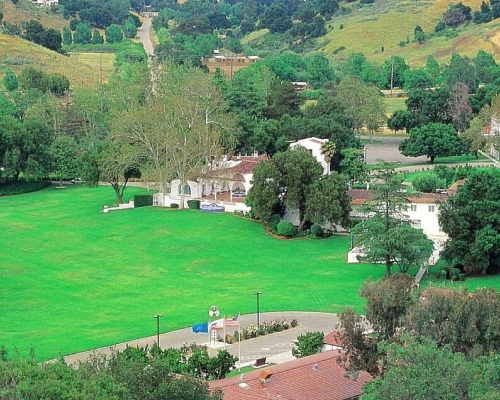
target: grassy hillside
25 11
388 22
81 69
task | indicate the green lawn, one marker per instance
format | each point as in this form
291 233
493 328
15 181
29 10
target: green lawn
75 279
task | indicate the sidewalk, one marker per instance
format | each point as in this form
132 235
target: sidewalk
276 347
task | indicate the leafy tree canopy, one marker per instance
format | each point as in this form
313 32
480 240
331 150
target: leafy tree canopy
433 140
471 220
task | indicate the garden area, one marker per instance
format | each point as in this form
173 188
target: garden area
75 279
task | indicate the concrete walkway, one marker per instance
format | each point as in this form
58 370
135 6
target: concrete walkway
276 347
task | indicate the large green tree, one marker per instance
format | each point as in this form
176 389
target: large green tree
289 176
420 370
387 303
64 154
432 140
327 202
386 236
353 165
467 322
471 218
362 103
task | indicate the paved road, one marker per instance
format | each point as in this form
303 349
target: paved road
386 148
276 347
145 39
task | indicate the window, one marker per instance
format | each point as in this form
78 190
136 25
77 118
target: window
187 190
431 209
413 207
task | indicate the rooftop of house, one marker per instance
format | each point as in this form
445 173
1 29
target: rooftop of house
333 339
308 140
361 196
245 164
316 377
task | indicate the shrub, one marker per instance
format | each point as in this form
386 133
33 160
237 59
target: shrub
317 231
194 204
20 187
273 222
308 344
293 324
174 205
286 228
445 173
142 200
428 183
230 339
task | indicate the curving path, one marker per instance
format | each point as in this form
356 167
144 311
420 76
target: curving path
276 347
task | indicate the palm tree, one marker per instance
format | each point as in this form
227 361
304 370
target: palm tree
328 150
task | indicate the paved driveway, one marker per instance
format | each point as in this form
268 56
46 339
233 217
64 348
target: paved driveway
276 347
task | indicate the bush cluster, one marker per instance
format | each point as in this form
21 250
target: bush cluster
265 328
142 200
20 187
286 228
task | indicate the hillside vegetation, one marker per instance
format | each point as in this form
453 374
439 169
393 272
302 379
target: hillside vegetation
82 69
25 11
386 23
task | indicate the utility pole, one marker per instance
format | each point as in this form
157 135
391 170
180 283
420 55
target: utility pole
392 72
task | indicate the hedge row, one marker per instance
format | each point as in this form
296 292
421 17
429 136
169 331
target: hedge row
142 200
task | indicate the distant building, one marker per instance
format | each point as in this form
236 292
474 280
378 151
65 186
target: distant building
316 377
46 2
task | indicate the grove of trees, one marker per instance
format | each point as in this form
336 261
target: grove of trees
438 343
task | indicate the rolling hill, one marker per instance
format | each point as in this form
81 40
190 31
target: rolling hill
25 11
82 69
376 31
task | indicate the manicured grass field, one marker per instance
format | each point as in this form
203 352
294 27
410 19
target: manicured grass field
74 278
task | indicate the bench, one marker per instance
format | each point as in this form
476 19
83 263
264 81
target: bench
260 362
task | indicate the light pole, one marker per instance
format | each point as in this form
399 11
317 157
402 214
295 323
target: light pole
258 320
157 317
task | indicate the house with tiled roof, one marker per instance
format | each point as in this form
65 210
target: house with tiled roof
316 377
332 341
228 181
422 213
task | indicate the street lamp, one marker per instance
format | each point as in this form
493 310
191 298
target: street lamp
257 294
157 317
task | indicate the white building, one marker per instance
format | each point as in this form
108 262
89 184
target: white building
422 212
227 184
314 146
46 2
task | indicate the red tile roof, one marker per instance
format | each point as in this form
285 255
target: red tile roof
333 339
316 377
453 188
361 196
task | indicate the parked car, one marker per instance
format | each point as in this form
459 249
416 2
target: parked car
76 180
